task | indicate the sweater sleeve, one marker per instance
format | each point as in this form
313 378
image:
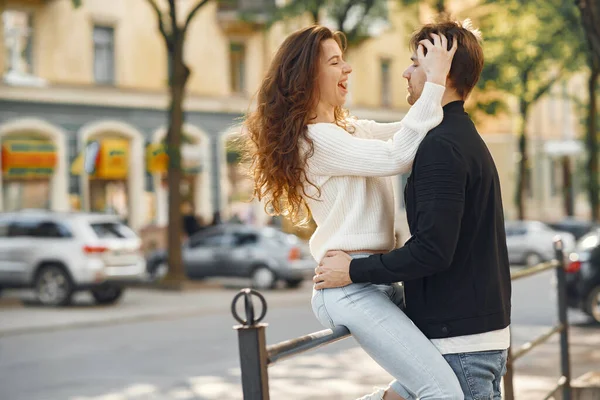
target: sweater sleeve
338 153
440 181
380 130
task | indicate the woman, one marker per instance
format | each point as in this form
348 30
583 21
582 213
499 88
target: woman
309 156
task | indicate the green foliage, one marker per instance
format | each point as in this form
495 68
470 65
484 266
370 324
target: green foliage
437 5
529 45
356 18
234 151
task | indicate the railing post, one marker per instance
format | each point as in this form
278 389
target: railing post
253 347
509 391
561 287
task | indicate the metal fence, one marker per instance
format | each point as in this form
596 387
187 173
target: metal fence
256 356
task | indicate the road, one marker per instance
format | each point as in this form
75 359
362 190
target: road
184 356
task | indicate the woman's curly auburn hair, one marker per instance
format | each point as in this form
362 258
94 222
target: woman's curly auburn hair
277 129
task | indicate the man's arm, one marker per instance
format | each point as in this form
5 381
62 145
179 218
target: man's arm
440 179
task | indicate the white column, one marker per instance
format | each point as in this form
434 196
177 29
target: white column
162 201
59 184
135 178
204 184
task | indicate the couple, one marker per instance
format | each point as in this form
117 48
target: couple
450 338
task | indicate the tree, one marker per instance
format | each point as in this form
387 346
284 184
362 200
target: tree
529 46
438 5
352 17
590 17
173 33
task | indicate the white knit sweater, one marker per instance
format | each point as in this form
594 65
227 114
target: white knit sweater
355 210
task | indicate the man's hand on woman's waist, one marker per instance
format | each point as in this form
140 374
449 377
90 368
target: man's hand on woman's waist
334 271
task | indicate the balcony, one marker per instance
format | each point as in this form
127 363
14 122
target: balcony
242 17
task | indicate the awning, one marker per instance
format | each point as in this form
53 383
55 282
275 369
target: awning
28 159
157 159
110 162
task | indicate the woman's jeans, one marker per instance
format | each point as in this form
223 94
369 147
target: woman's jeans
373 315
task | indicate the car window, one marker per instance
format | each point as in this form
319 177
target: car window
22 228
112 230
212 240
516 231
245 238
277 235
48 229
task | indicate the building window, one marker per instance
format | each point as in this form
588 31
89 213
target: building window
386 84
237 58
18 42
104 55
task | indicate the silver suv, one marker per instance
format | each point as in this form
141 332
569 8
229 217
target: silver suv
57 254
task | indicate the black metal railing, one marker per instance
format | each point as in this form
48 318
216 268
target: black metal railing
256 356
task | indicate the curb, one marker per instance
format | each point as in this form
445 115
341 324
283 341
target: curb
10 302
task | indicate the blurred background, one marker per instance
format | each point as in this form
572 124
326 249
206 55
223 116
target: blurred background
115 114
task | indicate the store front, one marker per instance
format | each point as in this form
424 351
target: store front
28 166
195 183
104 162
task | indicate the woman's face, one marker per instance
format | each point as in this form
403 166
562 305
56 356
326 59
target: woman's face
333 75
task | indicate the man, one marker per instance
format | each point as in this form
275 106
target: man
455 266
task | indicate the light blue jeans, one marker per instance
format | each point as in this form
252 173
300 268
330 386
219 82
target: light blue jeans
373 315
480 373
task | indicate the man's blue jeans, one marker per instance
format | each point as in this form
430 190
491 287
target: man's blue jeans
479 373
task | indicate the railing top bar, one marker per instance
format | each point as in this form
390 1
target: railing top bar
311 341
561 382
534 270
527 347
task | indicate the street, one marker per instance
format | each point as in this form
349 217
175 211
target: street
189 350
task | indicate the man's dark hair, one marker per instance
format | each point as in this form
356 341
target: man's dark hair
468 60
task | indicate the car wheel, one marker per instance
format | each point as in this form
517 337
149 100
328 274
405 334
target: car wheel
592 304
107 294
160 271
53 286
293 283
533 259
263 278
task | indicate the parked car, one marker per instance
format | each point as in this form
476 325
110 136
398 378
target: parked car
264 254
531 242
578 228
583 276
58 254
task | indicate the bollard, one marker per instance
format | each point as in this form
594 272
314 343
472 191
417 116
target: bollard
252 346
561 281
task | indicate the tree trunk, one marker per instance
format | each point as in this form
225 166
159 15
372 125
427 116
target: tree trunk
440 6
522 172
568 200
315 15
176 274
592 144
590 16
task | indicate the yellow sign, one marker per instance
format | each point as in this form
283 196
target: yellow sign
28 159
111 161
157 159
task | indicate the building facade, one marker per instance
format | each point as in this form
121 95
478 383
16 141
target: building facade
83 101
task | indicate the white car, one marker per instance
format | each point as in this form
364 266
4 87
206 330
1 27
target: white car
532 242
58 254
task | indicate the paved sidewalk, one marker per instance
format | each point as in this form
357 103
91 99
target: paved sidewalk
349 374
539 370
